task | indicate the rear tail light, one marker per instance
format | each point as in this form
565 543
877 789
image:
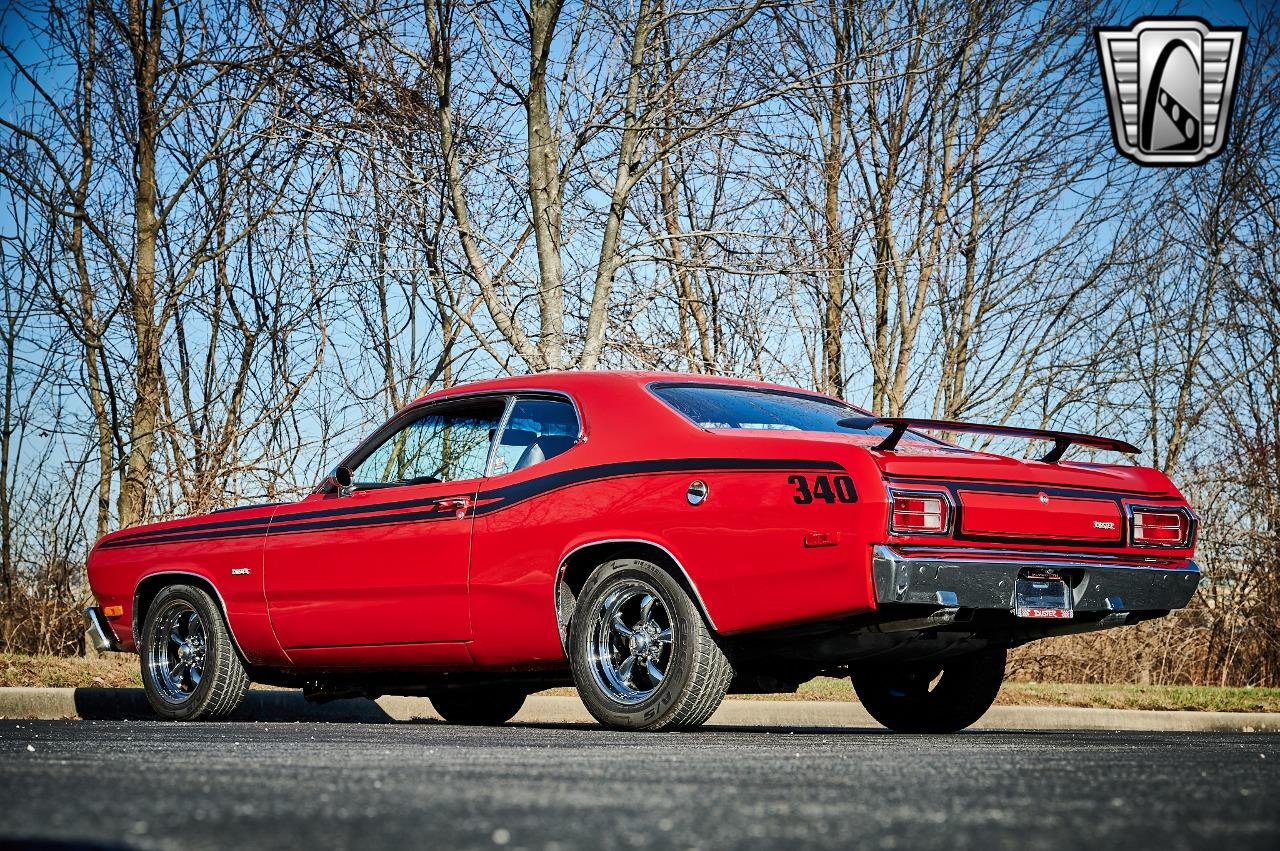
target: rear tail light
1160 528
919 514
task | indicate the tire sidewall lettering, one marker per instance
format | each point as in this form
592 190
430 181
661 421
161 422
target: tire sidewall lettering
663 700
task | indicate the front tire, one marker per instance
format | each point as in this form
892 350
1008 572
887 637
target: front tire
190 667
482 706
933 697
641 654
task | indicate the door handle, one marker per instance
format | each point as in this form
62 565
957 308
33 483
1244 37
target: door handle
457 504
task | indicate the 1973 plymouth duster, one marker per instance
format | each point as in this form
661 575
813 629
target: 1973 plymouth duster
657 540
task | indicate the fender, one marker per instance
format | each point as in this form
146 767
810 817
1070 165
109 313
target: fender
564 564
239 625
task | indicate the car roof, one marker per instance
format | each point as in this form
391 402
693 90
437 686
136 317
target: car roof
571 381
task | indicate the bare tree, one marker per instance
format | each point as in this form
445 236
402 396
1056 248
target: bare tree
234 234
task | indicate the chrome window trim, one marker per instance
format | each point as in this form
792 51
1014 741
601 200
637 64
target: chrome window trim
515 398
416 408
496 440
564 563
401 419
945 531
1188 539
531 390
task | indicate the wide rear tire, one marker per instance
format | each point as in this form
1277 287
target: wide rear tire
190 667
482 706
912 698
641 653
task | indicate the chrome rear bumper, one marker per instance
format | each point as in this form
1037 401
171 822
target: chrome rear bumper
983 580
99 632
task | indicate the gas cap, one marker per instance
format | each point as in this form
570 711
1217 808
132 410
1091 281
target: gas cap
697 493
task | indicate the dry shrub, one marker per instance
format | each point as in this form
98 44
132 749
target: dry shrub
1159 652
1190 647
52 626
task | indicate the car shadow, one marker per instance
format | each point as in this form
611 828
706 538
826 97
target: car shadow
282 705
741 729
114 704
36 844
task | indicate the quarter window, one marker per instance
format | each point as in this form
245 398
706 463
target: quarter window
538 429
443 446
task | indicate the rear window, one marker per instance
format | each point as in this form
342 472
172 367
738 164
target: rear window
723 406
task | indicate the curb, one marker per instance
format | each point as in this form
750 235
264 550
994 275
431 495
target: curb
273 705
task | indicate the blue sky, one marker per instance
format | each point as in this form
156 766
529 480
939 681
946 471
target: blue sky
1218 14
17 38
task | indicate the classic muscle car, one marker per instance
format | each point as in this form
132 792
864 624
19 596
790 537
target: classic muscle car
656 540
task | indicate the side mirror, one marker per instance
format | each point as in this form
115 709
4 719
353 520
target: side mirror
340 480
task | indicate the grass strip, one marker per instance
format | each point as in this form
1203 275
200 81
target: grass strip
120 670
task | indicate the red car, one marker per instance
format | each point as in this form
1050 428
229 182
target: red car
657 540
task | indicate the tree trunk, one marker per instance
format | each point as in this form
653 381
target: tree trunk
145 27
832 178
623 182
544 183
91 330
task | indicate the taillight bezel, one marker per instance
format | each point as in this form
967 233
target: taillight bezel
1131 510
948 518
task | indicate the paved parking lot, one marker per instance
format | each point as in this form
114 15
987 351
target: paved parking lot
429 785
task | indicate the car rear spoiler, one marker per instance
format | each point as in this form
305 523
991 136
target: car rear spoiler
1061 439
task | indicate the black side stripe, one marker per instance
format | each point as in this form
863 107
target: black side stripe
487 502
513 494
251 525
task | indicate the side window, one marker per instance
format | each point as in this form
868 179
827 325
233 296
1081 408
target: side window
538 429
438 447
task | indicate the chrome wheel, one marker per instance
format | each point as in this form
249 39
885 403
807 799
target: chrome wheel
642 655
176 652
632 642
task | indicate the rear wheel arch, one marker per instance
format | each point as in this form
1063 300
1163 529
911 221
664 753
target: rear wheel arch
153 583
580 563
640 651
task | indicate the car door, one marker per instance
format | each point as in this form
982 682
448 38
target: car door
386 563
520 533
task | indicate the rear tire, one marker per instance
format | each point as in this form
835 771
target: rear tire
641 653
911 698
190 667
482 706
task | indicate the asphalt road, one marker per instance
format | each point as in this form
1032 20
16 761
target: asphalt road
429 785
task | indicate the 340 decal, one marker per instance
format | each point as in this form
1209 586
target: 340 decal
826 488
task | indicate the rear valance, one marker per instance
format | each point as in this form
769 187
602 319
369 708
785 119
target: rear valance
1062 440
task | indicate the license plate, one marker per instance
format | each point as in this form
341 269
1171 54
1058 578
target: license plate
1042 596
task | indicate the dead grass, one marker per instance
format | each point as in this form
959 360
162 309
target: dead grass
111 670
